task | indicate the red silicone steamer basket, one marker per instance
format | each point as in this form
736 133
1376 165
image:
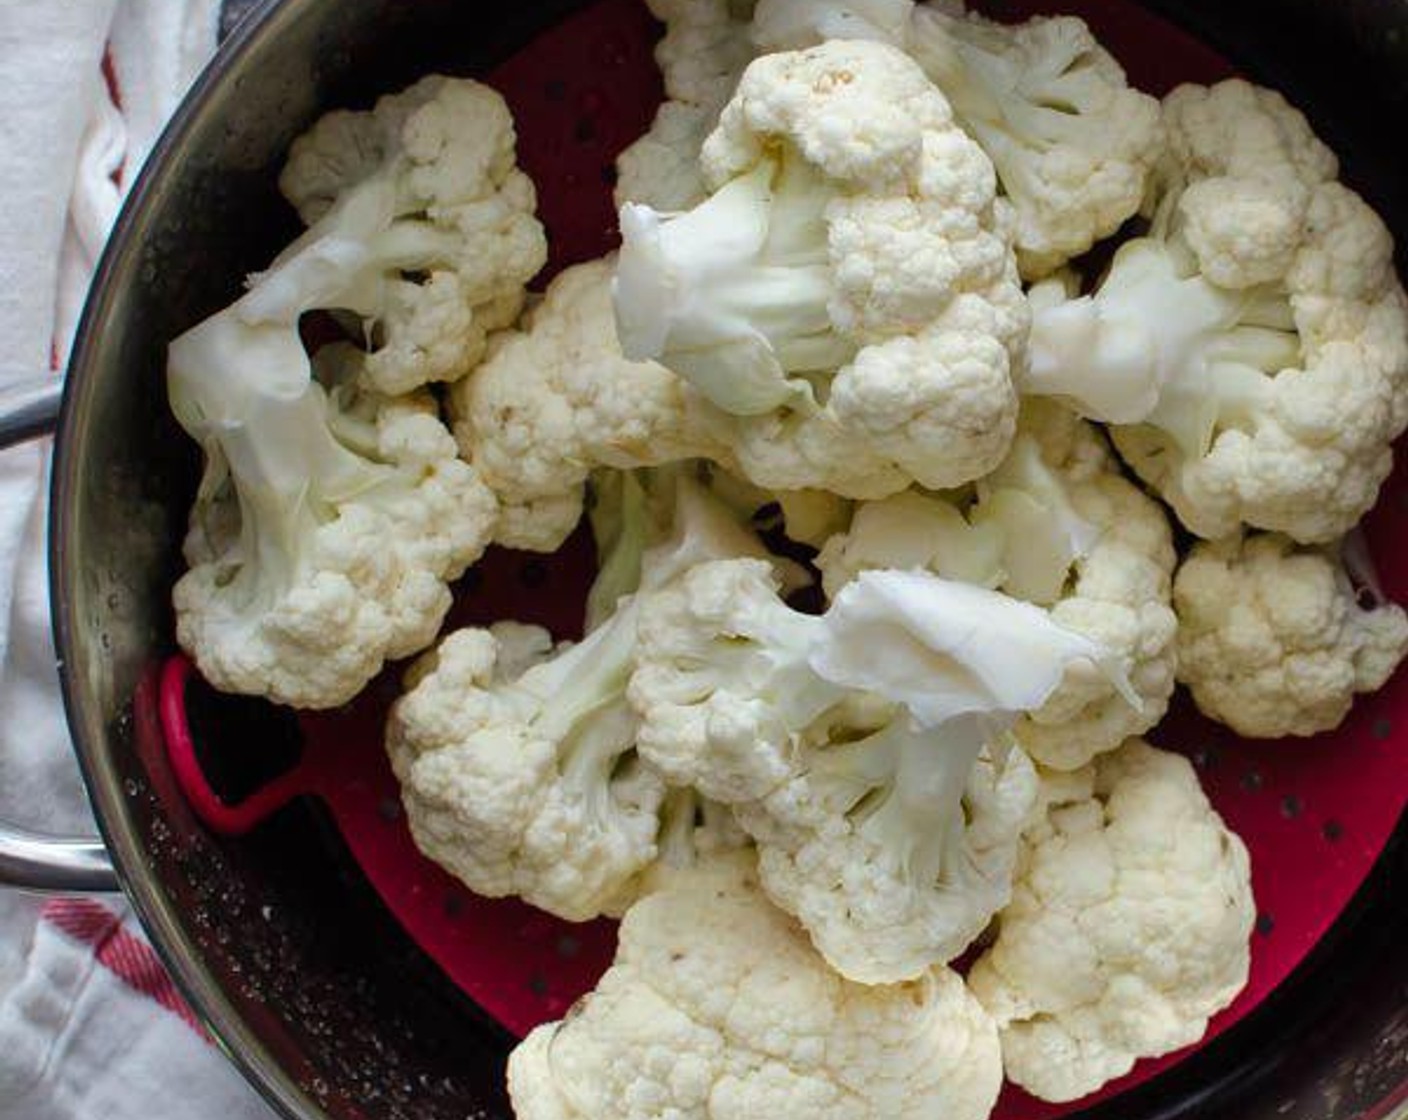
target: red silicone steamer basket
1314 814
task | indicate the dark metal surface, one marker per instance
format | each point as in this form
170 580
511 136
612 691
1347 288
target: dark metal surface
318 997
232 11
28 860
29 410
47 864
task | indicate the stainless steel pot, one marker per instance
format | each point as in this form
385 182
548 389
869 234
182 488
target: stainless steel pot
276 941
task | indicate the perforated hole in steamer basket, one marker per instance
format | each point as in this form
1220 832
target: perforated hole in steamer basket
1314 814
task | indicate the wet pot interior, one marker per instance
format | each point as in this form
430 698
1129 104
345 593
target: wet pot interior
277 939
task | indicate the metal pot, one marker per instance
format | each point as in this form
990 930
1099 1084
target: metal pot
313 991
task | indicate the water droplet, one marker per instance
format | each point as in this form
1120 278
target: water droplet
1383 729
1291 806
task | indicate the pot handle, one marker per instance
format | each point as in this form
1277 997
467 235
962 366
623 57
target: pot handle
54 864
28 860
30 409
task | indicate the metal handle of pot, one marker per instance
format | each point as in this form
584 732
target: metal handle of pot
29 860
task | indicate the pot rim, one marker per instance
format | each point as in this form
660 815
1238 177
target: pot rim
119 261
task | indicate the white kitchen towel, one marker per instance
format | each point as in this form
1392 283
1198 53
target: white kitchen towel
90 1027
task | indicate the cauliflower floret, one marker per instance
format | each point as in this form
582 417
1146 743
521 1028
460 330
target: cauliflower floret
1128 928
458 240
722 680
578 818
1073 145
701 57
1272 641
1252 351
556 399
716 1008
1058 526
807 517
893 848
854 746
652 525
519 647
329 520
530 786
848 291
1252 164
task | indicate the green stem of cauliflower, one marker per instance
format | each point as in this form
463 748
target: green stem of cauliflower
733 294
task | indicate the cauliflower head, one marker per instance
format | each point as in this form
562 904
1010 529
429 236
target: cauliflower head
1251 352
1272 640
458 240
555 399
701 57
530 785
1129 926
1250 165
1072 144
894 847
722 680
1058 526
717 1008
654 524
848 290
329 519
864 751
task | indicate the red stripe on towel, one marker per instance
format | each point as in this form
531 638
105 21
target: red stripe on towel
127 957
115 94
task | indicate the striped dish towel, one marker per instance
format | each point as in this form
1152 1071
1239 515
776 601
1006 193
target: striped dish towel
91 1027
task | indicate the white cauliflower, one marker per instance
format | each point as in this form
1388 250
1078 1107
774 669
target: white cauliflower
1252 350
529 786
1128 928
893 848
329 519
701 57
716 1008
519 770
1249 166
722 680
848 291
652 525
854 747
1271 639
556 399
456 239
1073 145
1056 525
